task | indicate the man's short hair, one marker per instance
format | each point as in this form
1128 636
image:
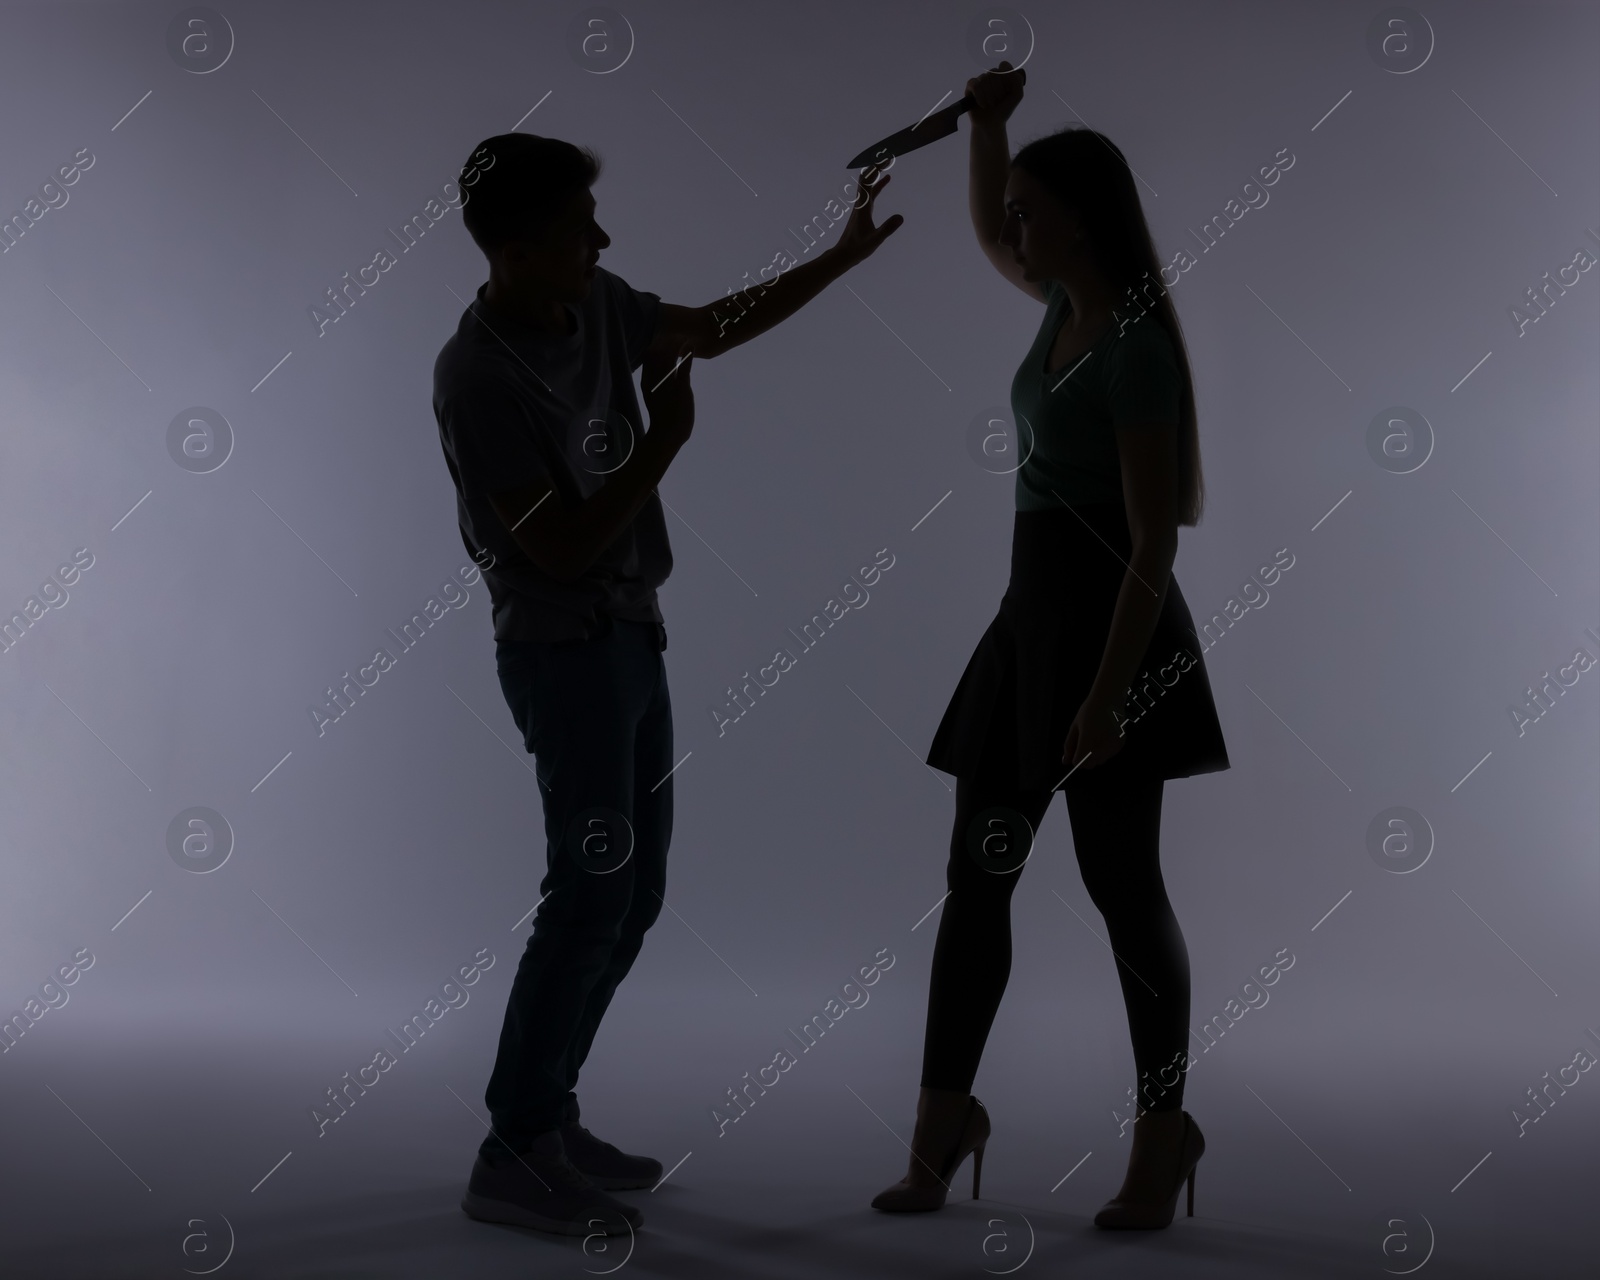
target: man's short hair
515 185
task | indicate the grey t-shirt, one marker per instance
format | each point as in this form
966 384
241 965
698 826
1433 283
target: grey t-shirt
515 406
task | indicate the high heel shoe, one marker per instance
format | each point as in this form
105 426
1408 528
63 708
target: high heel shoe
1152 1204
907 1196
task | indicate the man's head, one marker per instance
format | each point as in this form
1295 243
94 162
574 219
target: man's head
529 208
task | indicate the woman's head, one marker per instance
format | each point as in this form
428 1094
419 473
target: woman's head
1072 204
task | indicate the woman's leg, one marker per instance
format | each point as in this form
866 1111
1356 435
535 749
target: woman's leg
1116 833
989 841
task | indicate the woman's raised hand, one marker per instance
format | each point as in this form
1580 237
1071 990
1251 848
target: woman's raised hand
995 94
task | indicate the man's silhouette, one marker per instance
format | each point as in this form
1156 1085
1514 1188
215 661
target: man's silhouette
555 482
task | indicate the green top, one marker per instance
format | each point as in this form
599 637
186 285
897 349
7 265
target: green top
1069 417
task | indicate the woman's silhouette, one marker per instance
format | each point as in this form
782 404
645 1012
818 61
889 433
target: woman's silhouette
1090 678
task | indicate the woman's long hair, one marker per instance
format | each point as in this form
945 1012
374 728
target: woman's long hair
1086 172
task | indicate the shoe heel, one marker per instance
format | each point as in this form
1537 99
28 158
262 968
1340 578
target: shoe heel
977 1168
1191 1192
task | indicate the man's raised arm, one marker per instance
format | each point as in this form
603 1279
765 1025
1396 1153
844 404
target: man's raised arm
719 326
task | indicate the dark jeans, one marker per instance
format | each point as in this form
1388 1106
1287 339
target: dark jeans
1116 829
597 717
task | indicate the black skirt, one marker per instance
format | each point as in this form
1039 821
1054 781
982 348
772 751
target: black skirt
1007 721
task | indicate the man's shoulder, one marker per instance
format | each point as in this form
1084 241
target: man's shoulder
465 364
610 278
616 292
445 363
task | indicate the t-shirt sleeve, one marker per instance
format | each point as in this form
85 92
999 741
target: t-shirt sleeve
494 440
639 311
1143 383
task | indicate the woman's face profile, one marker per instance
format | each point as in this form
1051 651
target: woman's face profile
1038 229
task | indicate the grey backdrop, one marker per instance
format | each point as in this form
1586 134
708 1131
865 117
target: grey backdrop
1434 181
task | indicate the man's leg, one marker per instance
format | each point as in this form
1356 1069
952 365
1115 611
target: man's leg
652 831
579 705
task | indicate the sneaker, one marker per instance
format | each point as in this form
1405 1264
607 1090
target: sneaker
540 1188
601 1162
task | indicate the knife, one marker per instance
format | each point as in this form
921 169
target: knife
940 124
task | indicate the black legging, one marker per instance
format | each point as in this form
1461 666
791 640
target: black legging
1116 829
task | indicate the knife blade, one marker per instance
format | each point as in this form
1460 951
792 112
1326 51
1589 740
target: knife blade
940 124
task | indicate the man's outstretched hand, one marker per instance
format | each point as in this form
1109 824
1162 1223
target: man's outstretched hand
860 238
